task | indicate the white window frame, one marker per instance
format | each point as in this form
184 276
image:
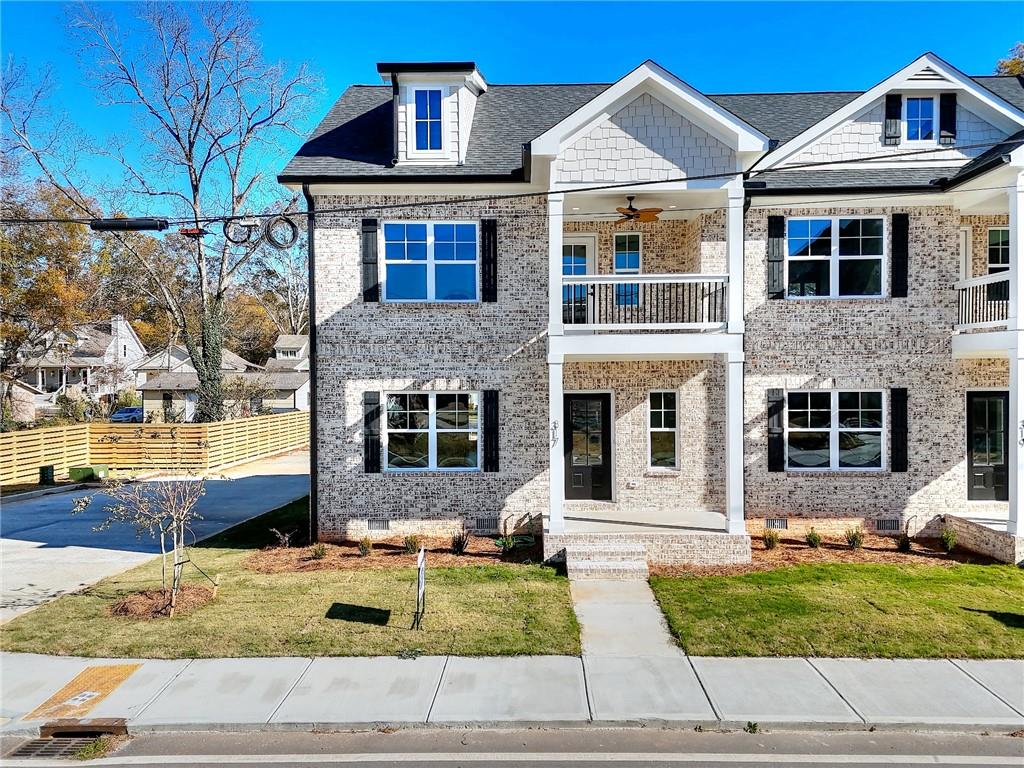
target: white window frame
650 430
988 251
934 140
411 151
640 263
430 263
834 258
834 429
431 432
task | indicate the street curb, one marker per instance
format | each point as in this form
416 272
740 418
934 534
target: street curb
16 497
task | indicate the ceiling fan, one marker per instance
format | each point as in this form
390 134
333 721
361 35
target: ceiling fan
637 214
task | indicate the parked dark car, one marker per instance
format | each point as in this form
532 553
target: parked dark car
131 415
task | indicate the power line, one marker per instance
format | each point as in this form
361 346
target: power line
889 157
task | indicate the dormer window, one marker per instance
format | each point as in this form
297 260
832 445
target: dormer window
428 119
920 118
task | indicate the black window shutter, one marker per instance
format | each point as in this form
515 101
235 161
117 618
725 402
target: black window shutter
776 257
947 118
371 431
489 259
898 429
371 282
776 435
900 253
490 430
893 119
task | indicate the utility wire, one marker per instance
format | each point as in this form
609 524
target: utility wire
889 157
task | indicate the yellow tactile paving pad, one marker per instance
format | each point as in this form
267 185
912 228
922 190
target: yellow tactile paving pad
87 689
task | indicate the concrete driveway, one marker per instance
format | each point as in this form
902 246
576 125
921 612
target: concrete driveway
47 552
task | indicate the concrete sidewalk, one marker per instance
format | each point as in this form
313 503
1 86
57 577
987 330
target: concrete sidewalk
674 690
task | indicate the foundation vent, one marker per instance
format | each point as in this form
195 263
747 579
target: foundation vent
776 523
485 524
888 525
378 525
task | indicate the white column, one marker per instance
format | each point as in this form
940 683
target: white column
556 430
734 442
556 201
734 260
39 379
1016 355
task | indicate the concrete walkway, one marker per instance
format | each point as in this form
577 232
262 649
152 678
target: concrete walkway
336 693
47 552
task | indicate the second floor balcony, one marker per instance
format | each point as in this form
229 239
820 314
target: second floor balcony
683 302
983 302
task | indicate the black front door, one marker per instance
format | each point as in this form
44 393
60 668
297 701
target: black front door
588 454
987 445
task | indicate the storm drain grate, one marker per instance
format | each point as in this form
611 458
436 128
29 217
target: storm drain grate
62 746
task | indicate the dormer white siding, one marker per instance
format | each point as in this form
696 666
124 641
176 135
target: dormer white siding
862 136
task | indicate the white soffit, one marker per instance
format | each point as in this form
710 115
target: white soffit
670 90
926 73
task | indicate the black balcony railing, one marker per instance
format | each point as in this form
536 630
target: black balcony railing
607 302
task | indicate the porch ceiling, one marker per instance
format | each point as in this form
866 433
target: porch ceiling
685 204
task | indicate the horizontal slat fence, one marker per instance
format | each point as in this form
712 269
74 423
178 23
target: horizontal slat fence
23 453
128 448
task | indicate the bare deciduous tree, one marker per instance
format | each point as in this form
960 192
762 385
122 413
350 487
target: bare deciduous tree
206 107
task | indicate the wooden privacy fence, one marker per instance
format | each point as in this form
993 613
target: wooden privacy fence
148 447
22 453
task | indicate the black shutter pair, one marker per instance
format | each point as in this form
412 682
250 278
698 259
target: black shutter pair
947 118
777 253
898 429
894 119
371 431
488 260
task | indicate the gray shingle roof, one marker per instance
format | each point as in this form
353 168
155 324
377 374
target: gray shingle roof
851 178
990 158
354 140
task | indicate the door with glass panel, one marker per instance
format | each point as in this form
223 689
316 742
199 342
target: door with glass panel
577 259
588 454
988 430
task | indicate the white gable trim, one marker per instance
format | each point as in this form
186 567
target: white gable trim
926 73
667 88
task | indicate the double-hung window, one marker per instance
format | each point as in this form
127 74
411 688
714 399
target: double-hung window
835 429
427 119
998 261
920 118
663 429
432 430
837 257
430 261
627 262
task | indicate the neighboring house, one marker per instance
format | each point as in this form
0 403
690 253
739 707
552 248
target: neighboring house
820 327
291 353
168 382
99 357
23 399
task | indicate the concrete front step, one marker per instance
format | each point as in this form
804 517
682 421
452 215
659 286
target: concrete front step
623 570
607 550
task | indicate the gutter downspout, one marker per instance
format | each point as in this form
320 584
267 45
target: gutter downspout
394 121
314 527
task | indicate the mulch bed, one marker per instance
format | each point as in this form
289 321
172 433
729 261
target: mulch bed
387 553
791 551
156 603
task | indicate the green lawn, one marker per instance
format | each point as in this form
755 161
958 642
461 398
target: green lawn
477 610
962 611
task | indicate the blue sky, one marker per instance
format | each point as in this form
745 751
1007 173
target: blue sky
720 47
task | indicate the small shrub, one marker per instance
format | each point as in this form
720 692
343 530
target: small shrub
948 539
813 539
510 543
751 727
283 539
903 542
855 537
412 544
460 541
365 546
770 537
318 551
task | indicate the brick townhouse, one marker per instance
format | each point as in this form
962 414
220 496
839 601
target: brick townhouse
636 314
